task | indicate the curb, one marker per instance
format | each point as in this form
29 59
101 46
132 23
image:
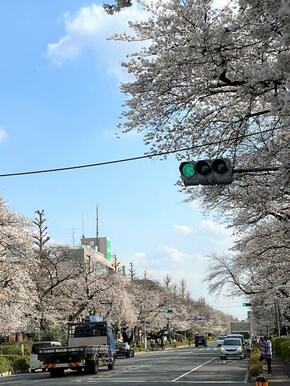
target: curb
165 349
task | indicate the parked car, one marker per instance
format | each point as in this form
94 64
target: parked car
35 363
220 340
232 347
124 349
200 340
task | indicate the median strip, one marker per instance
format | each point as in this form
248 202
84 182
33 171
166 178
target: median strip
192 370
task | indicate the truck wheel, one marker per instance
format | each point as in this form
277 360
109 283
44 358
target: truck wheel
91 367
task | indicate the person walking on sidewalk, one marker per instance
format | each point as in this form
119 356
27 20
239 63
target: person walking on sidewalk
266 348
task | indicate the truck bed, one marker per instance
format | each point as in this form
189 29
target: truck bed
70 354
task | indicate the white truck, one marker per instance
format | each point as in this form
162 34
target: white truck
91 345
243 328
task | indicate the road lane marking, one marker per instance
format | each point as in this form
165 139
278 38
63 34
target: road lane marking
109 375
195 368
246 377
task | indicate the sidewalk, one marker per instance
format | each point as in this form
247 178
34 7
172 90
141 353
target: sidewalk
280 373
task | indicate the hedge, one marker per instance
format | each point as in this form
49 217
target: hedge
281 347
10 349
14 363
4 365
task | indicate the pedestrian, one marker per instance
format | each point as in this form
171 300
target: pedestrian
266 348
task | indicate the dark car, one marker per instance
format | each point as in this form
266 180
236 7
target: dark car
200 340
124 349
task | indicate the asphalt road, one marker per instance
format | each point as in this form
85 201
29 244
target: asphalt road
188 366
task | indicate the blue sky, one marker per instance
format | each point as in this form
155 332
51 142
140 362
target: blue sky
60 106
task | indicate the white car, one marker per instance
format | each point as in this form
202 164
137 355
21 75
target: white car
240 336
220 340
232 347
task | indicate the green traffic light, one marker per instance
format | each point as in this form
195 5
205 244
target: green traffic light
188 170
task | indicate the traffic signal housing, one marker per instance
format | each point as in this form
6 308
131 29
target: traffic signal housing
247 304
206 172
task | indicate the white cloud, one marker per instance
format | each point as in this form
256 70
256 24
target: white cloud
89 30
140 254
215 228
174 254
184 229
3 135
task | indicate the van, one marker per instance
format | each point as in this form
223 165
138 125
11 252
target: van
200 340
35 363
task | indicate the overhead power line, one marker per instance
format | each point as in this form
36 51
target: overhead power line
129 159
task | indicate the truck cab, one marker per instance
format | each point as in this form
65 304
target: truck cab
91 333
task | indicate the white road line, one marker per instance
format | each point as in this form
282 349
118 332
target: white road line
195 368
108 375
246 377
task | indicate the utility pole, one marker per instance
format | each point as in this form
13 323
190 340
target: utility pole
277 314
145 335
144 326
97 227
83 226
73 236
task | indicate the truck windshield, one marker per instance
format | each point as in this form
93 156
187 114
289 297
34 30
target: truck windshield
87 329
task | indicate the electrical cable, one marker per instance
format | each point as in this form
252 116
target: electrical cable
52 170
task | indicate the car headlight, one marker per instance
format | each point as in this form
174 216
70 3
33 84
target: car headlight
222 349
239 349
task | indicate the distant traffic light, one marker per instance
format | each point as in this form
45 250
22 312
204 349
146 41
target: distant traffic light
206 172
167 310
247 304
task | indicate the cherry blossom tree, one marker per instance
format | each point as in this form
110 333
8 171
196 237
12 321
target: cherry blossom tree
215 83
16 288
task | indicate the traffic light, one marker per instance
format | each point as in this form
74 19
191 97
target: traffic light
206 172
167 310
247 304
